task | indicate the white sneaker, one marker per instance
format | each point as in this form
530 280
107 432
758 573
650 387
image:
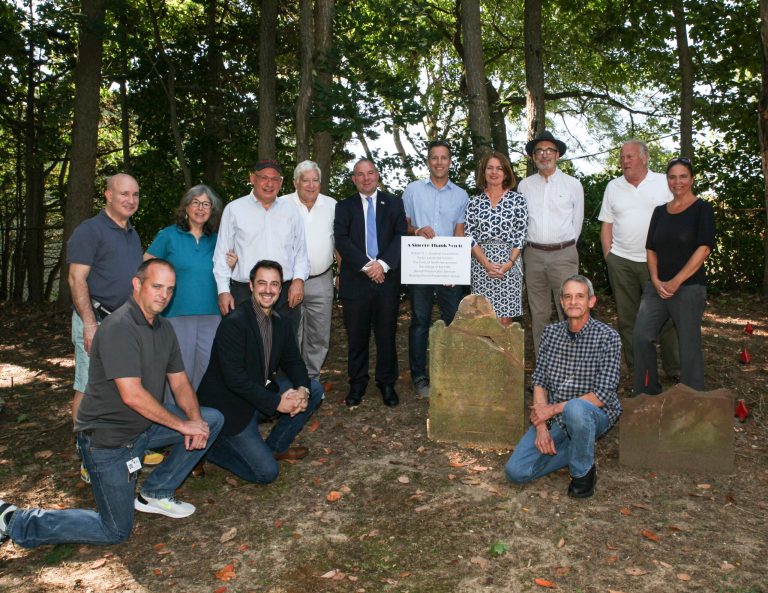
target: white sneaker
170 507
6 510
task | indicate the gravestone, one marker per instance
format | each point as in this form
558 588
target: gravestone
680 430
476 379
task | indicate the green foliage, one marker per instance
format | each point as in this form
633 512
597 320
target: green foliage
498 548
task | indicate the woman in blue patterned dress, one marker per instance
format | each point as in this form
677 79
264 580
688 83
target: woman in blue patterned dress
497 221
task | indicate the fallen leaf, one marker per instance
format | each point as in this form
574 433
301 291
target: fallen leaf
404 575
640 505
727 566
674 528
561 543
648 534
612 559
352 578
470 480
243 548
498 548
158 546
683 576
44 454
664 564
334 574
614 591
625 511
404 479
479 468
480 561
704 486
545 583
345 489
327 387
633 571
333 496
98 563
450 477
610 547
228 535
226 574
456 461
561 571
421 509
231 481
157 572
220 589
313 426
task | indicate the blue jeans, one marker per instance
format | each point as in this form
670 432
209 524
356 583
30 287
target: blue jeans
114 488
575 446
248 455
422 295
686 309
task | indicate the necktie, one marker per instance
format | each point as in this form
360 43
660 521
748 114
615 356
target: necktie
371 240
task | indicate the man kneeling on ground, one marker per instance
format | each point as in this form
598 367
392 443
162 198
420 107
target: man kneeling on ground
252 344
574 394
120 417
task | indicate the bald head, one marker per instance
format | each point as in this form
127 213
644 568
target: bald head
122 196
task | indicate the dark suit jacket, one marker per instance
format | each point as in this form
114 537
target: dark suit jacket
234 381
349 235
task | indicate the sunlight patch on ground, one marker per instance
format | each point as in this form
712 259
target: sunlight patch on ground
66 361
12 374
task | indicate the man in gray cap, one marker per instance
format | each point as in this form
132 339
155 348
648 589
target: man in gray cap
259 226
555 215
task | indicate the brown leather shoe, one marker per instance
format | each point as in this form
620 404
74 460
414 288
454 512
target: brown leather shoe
199 470
292 454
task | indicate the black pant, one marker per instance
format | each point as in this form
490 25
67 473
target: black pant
376 308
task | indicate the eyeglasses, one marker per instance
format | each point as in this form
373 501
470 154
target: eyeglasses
680 159
265 178
543 151
199 204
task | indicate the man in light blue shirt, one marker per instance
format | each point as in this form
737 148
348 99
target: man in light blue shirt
434 207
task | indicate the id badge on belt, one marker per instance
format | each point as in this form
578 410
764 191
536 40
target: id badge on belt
133 465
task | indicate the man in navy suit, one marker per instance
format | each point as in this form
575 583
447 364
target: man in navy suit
252 343
367 231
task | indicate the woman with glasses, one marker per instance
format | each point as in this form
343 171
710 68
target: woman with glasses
680 237
497 221
194 309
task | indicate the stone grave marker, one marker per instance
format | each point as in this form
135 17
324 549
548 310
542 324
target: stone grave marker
680 430
477 379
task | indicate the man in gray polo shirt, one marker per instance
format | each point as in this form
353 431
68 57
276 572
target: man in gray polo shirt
103 254
134 352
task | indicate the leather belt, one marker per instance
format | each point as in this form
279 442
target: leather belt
320 274
552 246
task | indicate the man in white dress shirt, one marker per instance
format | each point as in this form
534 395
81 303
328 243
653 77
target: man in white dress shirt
317 211
256 227
555 215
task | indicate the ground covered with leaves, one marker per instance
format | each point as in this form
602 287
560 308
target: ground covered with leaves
377 506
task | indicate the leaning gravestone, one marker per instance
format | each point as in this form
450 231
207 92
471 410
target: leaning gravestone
477 379
680 430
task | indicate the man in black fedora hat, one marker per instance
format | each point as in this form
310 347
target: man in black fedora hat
555 214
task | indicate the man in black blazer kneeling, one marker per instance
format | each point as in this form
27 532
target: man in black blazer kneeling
367 231
252 343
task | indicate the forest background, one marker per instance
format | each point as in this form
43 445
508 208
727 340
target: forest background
180 92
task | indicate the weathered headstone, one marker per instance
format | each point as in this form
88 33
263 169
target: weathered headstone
477 379
680 430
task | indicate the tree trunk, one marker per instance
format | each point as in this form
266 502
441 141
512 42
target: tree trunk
169 86
323 139
534 72
686 80
304 102
401 151
213 129
474 73
268 80
85 126
763 127
498 119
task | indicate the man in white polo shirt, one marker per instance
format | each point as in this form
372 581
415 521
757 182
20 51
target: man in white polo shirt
628 204
317 212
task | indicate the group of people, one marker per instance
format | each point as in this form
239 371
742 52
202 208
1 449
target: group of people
225 321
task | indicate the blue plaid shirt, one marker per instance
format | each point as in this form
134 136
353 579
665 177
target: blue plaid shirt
570 365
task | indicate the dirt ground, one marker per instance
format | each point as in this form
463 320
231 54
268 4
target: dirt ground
377 506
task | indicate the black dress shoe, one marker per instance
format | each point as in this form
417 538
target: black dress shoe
389 395
355 397
583 487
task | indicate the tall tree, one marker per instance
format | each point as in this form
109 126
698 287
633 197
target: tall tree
268 80
213 128
304 101
686 79
763 126
474 72
534 71
85 125
323 63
